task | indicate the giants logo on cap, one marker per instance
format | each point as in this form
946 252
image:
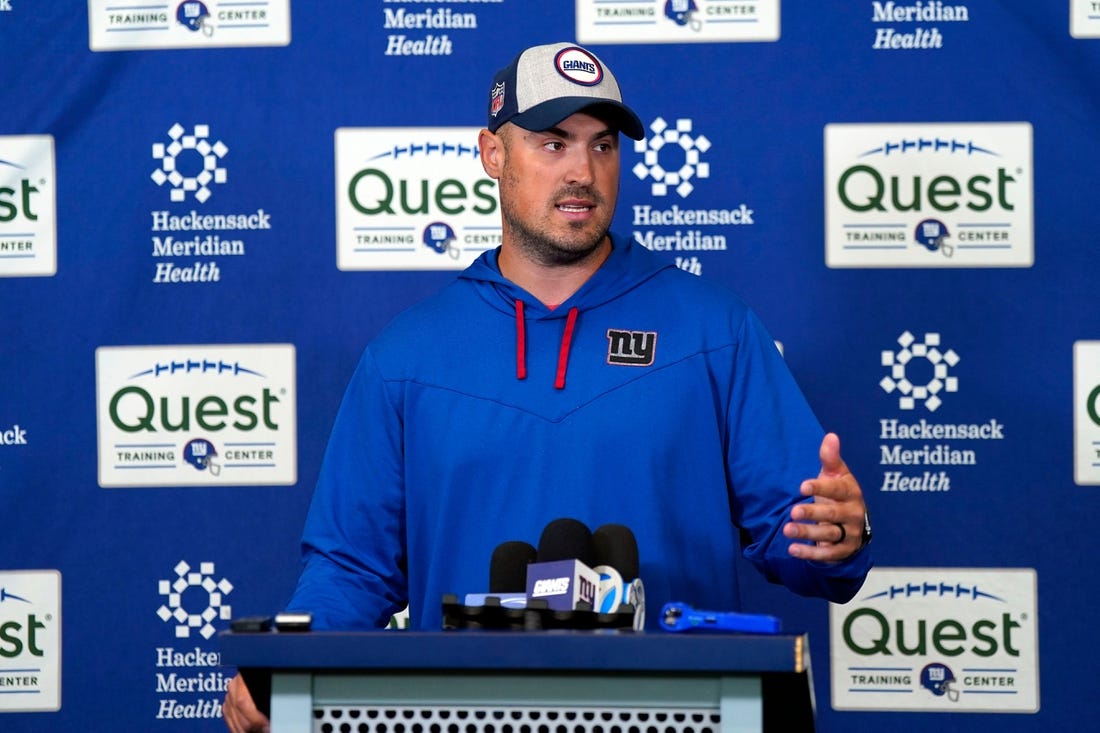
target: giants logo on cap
578 66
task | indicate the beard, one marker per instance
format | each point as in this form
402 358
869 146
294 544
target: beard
540 245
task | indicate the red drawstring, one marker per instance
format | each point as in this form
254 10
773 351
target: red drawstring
521 342
563 353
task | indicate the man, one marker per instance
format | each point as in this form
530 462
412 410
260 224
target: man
570 373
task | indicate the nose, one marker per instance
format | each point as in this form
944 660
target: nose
580 167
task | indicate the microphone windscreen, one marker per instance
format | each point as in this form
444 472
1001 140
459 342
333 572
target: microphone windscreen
508 567
566 539
615 545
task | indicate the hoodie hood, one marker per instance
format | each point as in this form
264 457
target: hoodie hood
628 266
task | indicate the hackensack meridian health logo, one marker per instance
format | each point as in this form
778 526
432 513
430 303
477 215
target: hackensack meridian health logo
938 639
675 176
671 159
677 21
929 195
918 452
28 218
914 26
190 241
30 640
213 415
190 683
905 360
194 600
206 170
412 198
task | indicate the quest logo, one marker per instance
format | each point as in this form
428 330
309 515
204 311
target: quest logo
412 198
938 639
1086 413
1084 20
30 640
187 24
929 195
220 415
677 21
28 218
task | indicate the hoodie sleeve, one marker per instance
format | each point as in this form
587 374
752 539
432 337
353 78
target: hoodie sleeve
773 445
353 542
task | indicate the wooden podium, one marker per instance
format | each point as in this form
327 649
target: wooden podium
526 682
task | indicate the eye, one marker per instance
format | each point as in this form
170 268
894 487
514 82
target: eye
606 145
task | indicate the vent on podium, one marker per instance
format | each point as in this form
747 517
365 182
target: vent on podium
512 719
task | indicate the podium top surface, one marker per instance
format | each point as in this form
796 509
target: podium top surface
576 651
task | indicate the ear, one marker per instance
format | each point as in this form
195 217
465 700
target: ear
491 149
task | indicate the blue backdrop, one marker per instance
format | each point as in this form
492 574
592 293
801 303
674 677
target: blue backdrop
189 270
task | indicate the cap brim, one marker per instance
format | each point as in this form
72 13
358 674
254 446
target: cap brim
546 115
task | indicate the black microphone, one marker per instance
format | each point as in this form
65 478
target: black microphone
507 576
616 553
503 606
615 545
566 539
562 575
508 566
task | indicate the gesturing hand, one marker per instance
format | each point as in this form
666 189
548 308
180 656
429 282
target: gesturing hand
833 521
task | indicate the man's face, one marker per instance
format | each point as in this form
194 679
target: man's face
558 187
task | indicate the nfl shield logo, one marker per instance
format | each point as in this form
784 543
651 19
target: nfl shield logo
496 99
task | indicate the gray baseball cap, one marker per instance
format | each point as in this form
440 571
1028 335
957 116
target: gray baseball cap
545 84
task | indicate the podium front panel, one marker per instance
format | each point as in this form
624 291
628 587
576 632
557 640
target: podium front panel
471 682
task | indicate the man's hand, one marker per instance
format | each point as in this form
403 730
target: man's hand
239 711
837 503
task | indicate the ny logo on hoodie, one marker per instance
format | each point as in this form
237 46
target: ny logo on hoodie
632 348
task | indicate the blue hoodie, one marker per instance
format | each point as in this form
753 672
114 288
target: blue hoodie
651 398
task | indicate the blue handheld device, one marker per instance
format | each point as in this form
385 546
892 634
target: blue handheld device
682 617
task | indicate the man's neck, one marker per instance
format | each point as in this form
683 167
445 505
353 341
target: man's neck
551 284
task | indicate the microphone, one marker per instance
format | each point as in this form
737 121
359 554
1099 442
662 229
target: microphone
507 575
508 566
566 539
554 586
616 557
562 575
